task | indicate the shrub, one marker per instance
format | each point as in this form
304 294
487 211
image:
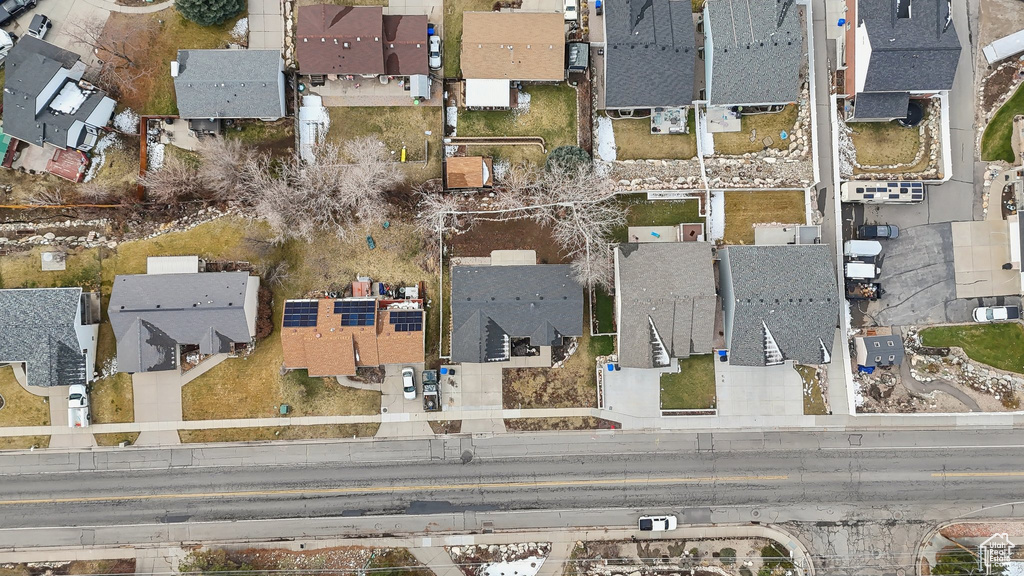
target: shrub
209 12
727 556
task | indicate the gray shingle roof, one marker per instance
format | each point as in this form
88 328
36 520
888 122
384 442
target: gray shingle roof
758 50
542 303
671 286
30 66
230 84
878 349
651 53
791 290
154 314
875 105
38 327
916 53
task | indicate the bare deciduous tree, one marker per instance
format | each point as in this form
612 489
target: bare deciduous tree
118 50
173 182
48 197
222 166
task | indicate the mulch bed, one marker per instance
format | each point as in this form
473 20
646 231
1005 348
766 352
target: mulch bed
996 86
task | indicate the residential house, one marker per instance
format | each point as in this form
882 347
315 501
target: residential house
500 48
754 51
46 101
650 54
780 303
359 41
902 49
879 351
665 302
468 172
494 305
156 316
334 337
229 84
52 331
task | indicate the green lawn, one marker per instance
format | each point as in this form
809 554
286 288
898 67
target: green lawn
693 387
604 311
998 345
995 142
634 141
643 212
552 116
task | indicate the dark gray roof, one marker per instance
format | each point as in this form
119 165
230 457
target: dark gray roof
881 105
154 314
30 65
916 53
542 303
667 295
791 291
878 349
37 327
230 84
758 51
651 53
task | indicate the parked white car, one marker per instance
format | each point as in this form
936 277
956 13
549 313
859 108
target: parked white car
571 12
409 383
657 523
434 52
996 313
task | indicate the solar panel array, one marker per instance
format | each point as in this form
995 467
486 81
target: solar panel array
299 314
355 312
407 320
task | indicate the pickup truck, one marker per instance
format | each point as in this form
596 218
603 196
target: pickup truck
78 407
431 391
10 9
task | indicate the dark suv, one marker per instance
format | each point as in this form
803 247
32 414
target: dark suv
871 232
10 9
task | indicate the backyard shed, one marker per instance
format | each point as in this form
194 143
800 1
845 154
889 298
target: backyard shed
466 172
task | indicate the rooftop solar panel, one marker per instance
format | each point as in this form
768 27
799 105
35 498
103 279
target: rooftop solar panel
356 312
407 320
300 313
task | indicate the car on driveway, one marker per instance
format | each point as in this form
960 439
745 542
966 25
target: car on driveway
873 231
996 313
10 9
657 523
39 26
409 383
434 53
570 11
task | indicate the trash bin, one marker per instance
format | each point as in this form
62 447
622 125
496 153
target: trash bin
285 409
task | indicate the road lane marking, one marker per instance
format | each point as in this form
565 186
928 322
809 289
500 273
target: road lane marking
387 489
976 474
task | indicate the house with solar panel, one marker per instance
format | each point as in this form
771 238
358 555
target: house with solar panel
376 326
175 312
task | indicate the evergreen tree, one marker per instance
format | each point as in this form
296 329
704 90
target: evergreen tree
209 12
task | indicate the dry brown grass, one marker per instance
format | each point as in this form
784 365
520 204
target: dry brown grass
744 209
634 141
881 143
762 125
20 407
278 433
574 385
569 423
112 399
23 269
23 442
396 126
115 438
446 426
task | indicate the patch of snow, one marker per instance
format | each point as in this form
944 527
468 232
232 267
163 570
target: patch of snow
858 396
1014 569
451 116
241 29
716 214
314 121
450 151
501 168
528 567
154 156
99 156
127 121
605 139
523 103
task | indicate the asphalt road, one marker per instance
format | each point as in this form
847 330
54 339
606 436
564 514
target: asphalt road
834 476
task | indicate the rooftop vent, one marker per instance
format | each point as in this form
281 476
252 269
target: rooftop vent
903 8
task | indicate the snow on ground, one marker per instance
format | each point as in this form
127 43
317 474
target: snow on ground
241 29
523 103
528 567
1014 569
99 156
717 216
451 116
155 156
605 139
501 168
314 121
127 121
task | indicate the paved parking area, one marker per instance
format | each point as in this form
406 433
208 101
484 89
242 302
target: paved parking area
266 25
395 409
433 9
62 13
635 391
980 249
754 391
157 397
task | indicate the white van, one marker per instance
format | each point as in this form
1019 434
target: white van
862 248
862 271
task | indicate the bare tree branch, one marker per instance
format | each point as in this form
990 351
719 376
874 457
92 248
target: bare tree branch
221 168
119 50
175 181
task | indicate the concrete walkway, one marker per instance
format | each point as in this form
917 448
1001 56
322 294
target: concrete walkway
111 6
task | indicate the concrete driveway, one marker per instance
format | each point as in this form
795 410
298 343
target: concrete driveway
63 13
635 391
395 410
266 25
157 398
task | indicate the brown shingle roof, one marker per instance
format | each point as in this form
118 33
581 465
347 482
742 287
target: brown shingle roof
513 45
468 171
330 349
323 32
405 45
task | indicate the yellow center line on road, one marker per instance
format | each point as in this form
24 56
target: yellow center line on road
976 474
387 489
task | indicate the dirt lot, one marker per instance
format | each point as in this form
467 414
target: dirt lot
446 426
997 85
484 237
